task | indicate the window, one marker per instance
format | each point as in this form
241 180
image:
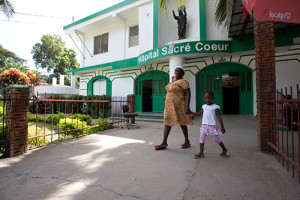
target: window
133 36
101 44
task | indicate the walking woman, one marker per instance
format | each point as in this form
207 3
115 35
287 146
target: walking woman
177 108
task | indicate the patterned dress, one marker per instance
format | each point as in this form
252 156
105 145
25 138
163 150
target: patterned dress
174 113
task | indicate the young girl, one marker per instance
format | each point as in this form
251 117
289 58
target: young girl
209 125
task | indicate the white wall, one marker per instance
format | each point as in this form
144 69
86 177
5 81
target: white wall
145 28
167 27
122 87
213 32
131 52
115 45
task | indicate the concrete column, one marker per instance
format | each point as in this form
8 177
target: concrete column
61 80
54 81
265 82
73 83
174 62
17 119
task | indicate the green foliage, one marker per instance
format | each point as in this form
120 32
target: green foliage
2 149
223 13
2 110
9 60
103 125
36 142
56 118
82 117
70 124
7 8
32 118
52 54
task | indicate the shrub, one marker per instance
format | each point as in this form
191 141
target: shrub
32 118
15 76
56 118
82 117
2 148
70 124
2 110
36 142
104 125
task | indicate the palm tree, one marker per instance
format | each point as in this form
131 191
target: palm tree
163 5
222 14
7 8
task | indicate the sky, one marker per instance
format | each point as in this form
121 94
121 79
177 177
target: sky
35 18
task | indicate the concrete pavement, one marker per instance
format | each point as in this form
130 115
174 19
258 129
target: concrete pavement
121 164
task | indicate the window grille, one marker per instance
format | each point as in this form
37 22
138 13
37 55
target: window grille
101 44
133 36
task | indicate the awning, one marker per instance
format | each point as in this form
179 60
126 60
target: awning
274 10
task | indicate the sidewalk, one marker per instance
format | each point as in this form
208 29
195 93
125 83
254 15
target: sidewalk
121 164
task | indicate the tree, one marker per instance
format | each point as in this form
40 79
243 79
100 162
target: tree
7 8
9 59
223 13
15 76
51 54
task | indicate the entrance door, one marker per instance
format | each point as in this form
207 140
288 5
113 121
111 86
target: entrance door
147 95
150 91
209 82
230 94
235 97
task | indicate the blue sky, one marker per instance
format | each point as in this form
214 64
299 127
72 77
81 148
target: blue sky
34 18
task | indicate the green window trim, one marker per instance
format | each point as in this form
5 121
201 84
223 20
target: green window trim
90 85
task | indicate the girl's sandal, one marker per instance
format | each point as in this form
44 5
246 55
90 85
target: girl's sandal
197 156
224 155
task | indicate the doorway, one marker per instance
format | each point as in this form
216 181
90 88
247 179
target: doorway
231 84
230 94
147 95
150 91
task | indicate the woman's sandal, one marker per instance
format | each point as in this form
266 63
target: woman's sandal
184 146
160 147
197 156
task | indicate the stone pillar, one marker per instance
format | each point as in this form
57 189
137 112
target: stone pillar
17 119
265 82
174 62
131 105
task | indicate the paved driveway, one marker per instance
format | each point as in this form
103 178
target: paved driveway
122 164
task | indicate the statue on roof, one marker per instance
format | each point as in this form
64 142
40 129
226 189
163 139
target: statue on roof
181 22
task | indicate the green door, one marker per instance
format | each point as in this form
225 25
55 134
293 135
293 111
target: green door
209 82
210 79
246 99
158 93
138 96
159 81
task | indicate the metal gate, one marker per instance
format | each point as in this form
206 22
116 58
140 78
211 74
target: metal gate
284 140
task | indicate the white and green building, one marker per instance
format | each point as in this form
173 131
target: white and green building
133 48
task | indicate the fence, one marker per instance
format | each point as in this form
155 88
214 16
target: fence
62 118
284 141
53 119
3 140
